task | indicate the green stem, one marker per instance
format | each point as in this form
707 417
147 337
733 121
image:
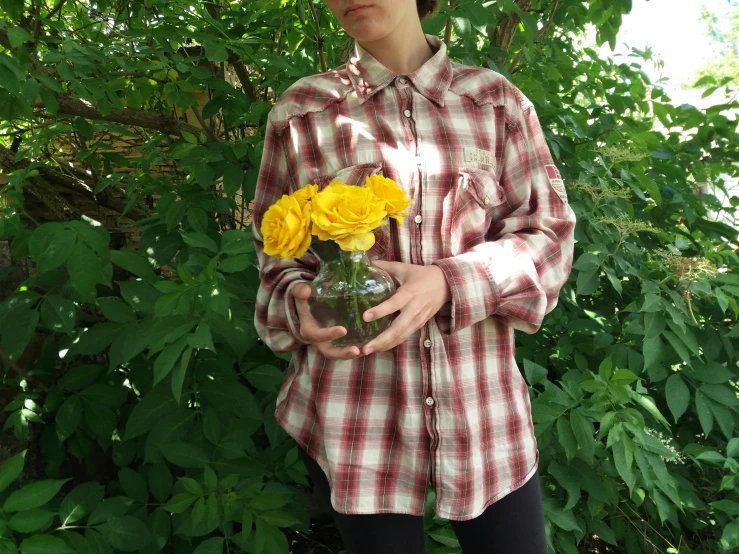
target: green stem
357 315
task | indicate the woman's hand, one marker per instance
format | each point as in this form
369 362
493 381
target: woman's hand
312 332
423 291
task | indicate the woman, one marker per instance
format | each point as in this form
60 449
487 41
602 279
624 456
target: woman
437 399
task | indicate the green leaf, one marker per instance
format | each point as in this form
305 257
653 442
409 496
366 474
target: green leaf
444 535
153 407
133 262
720 393
623 457
133 485
56 251
140 295
31 521
160 481
45 544
235 263
80 502
561 518
534 372
732 448
652 350
202 338
677 395
115 309
17 36
232 178
16 337
569 479
179 503
185 454
704 412
678 345
588 281
68 417
59 314
265 377
178 376
654 324
582 428
85 270
97 543
160 523
210 546
167 358
270 500
235 242
648 404
33 495
200 240
126 533
566 437
11 469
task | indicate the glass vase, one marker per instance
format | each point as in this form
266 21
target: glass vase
347 285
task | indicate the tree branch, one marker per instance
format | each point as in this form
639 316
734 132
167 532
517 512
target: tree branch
540 38
506 28
448 29
20 371
319 37
135 118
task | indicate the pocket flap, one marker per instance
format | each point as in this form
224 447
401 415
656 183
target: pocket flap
482 185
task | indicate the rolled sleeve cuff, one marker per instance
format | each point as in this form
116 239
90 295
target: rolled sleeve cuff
474 293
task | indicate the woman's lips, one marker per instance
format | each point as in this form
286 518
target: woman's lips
356 10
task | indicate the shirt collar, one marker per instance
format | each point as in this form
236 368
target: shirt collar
432 79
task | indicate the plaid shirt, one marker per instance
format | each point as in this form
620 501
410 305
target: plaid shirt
449 406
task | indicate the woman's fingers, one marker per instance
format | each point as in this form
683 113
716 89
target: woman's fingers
310 330
393 304
338 353
398 332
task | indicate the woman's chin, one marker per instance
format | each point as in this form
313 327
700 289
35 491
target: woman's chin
366 31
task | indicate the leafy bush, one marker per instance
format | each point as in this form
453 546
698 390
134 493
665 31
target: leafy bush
138 392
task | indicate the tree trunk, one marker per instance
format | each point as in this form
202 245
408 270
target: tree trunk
506 29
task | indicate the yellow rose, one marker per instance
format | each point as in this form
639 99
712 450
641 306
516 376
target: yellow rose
286 228
347 215
388 190
303 195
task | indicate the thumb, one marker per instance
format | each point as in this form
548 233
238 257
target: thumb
395 269
301 291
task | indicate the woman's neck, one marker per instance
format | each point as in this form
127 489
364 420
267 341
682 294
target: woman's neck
403 51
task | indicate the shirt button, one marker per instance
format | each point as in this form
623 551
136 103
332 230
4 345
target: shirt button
407 113
429 401
418 219
487 200
403 80
418 160
427 343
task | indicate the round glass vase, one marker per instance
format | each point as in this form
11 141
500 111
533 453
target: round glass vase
347 285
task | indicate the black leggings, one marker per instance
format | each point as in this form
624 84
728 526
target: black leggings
512 525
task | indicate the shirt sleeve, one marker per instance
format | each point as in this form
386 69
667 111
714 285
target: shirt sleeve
275 316
517 273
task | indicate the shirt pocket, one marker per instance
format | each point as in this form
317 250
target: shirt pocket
356 175
475 196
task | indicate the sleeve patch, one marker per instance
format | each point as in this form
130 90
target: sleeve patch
555 180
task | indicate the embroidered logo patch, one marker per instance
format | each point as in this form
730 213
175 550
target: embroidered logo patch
476 155
555 179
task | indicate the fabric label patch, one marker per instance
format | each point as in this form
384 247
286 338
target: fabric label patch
476 155
555 179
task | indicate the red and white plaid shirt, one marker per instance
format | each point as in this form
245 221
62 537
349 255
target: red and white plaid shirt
489 208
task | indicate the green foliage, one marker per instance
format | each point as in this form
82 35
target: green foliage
151 380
